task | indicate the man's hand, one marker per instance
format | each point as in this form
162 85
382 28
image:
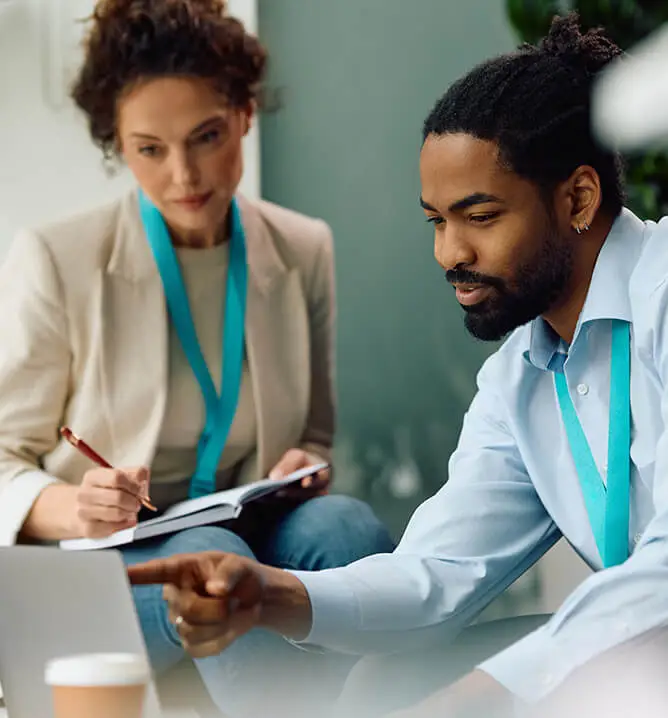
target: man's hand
311 486
477 694
215 597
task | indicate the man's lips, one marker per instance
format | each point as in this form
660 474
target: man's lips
470 294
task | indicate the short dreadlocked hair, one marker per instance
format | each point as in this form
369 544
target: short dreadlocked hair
535 103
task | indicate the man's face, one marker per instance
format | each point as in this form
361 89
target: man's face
494 235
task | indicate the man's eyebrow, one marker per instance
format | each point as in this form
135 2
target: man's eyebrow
472 200
424 205
464 203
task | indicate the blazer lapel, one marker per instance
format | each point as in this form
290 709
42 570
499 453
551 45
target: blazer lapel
134 328
277 344
133 365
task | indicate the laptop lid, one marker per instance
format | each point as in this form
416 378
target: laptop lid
54 603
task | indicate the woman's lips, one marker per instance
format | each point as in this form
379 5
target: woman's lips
194 202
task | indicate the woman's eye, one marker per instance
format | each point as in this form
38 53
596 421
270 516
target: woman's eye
208 137
149 150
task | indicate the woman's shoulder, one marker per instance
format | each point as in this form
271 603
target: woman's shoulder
87 234
292 230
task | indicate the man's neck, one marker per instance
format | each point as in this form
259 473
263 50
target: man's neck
563 317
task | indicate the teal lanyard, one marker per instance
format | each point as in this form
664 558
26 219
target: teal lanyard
608 507
219 410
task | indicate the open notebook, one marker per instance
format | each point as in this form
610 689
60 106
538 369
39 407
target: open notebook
211 509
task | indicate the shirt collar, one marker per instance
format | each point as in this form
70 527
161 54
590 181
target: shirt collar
608 295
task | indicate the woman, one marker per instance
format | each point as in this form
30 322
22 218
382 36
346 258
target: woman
116 323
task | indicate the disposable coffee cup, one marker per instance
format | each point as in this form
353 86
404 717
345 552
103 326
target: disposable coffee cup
98 685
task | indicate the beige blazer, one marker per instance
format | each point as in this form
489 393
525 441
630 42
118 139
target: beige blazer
84 342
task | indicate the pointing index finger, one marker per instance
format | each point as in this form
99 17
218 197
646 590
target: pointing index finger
158 571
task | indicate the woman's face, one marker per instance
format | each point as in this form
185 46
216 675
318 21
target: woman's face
183 143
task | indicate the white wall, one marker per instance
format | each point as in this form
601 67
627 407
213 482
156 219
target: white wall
48 166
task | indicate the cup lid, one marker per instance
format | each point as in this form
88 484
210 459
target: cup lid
97 669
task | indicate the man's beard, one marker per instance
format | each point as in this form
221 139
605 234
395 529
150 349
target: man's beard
537 285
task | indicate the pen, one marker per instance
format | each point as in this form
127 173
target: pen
86 450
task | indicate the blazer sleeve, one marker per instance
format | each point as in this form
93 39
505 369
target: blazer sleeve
35 361
319 433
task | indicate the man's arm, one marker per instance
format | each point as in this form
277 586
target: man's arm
462 548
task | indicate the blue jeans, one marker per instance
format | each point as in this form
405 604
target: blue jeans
262 670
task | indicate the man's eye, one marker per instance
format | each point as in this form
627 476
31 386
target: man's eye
435 220
482 218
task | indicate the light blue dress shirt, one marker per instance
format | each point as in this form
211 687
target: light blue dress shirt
512 492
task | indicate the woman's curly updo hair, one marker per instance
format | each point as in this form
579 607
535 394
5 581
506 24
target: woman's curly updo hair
131 40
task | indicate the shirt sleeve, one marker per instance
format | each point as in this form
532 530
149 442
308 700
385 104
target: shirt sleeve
461 549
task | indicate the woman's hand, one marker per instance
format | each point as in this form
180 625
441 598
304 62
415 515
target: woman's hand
108 500
311 486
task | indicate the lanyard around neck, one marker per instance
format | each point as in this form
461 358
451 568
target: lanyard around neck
607 506
220 410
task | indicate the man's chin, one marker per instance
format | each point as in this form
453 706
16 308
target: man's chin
490 326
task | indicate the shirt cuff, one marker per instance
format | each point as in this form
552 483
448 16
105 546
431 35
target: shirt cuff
334 608
17 500
527 668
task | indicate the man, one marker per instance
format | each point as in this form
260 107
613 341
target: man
529 225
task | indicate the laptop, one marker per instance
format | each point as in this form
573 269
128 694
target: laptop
54 603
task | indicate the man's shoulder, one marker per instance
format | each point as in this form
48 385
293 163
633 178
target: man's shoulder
651 270
648 288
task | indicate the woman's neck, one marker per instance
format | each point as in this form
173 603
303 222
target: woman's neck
201 239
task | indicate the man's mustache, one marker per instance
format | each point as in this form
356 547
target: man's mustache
465 276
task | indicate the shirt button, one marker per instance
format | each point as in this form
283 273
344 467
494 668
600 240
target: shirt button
582 389
636 538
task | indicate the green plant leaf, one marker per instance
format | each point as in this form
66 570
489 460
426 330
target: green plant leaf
531 19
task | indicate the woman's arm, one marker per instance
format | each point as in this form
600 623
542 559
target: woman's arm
35 361
319 433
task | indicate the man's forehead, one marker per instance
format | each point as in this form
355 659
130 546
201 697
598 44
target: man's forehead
455 166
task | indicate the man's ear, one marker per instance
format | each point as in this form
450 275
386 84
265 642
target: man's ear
579 198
